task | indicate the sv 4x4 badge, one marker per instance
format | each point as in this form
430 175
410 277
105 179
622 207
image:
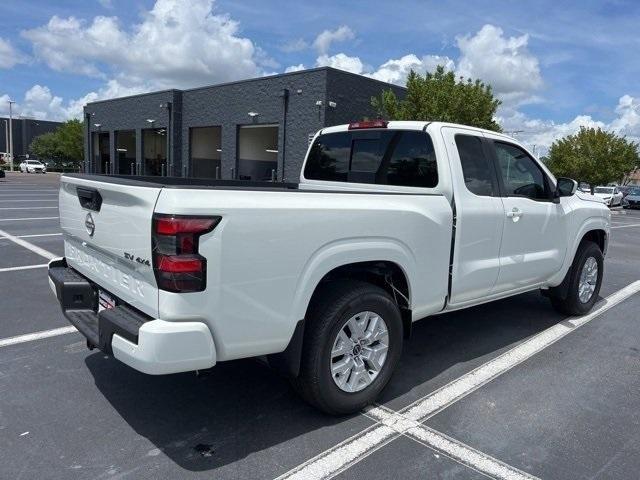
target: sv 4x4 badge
133 258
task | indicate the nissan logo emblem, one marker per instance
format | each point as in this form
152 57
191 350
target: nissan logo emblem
89 224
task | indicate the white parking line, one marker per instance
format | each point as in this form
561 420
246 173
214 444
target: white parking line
23 201
464 385
22 190
340 457
39 235
24 208
452 448
30 337
627 226
25 219
29 195
26 267
28 245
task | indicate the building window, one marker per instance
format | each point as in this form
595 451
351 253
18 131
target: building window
257 152
126 151
206 148
154 145
101 154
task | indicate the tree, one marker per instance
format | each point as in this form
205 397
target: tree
438 96
45 146
64 146
594 156
71 140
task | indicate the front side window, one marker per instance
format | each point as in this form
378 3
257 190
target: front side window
476 167
521 176
382 157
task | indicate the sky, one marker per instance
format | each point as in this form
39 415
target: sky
554 65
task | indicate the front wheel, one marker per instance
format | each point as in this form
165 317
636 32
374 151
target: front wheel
352 344
583 282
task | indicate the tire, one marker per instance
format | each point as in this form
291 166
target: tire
570 302
337 304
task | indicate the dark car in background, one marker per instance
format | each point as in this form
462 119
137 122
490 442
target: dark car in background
632 198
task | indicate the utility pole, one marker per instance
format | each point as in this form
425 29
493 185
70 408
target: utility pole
6 136
10 136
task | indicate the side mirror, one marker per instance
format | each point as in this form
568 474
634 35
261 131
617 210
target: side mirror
565 188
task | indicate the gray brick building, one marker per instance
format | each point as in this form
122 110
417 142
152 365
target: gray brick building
24 131
255 129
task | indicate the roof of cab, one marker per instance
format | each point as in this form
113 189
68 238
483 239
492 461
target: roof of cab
416 125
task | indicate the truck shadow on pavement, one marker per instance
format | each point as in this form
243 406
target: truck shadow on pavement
243 408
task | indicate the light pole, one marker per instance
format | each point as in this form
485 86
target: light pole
6 136
10 136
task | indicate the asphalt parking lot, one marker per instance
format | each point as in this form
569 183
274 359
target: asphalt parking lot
509 389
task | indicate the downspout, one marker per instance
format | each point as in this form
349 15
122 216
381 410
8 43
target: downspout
169 143
285 108
87 163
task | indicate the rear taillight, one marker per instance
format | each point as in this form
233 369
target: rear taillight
368 124
177 264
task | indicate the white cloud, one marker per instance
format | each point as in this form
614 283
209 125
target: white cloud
503 62
342 62
628 120
392 71
295 46
542 133
178 43
294 68
323 41
396 70
9 56
40 102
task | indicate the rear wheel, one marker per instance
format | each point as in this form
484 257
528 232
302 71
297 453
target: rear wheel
583 282
352 344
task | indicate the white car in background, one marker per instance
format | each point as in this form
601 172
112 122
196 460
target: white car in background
33 166
612 196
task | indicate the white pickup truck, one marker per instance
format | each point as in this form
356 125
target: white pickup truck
390 223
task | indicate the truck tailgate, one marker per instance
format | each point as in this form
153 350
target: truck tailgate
107 233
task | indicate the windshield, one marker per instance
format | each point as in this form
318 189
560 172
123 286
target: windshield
603 190
634 191
33 162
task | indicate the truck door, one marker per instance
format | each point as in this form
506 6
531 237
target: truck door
479 215
534 236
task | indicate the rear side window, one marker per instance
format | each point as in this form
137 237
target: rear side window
383 157
329 158
476 167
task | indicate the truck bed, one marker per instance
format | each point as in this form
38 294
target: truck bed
184 182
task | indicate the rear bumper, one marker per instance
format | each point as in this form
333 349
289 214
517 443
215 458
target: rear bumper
148 345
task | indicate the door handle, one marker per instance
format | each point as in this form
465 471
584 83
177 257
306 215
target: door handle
515 214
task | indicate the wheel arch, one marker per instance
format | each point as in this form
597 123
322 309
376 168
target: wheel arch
348 252
597 236
384 263
593 231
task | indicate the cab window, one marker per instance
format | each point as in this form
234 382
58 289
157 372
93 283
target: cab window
383 157
476 167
